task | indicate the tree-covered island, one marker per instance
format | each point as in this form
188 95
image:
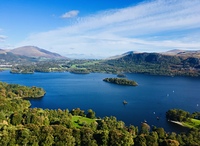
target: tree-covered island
79 71
121 81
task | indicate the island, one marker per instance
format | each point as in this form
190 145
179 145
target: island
79 71
120 81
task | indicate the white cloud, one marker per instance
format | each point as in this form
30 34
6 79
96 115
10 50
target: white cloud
2 38
70 14
157 25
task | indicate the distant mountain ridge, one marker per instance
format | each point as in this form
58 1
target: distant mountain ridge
176 52
183 53
2 51
33 51
175 62
122 55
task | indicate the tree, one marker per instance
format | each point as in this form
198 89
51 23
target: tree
91 114
16 118
140 141
120 138
169 142
77 135
77 112
22 136
63 136
160 132
145 128
151 140
87 138
102 137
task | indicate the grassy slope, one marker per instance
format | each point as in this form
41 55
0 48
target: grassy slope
192 123
78 121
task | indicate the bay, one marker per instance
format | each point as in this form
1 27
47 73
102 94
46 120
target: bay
151 99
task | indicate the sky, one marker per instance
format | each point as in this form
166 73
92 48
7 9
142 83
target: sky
100 28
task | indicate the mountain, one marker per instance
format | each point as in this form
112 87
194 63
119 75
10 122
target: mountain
183 53
35 52
120 56
10 58
2 51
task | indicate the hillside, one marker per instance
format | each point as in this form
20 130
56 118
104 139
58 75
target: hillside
27 55
10 58
161 64
32 51
120 56
2 51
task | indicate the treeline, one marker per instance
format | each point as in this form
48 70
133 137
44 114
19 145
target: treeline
120 81
42 66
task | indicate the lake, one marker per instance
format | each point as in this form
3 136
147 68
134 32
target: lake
151 99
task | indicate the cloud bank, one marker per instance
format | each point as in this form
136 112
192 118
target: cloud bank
151 26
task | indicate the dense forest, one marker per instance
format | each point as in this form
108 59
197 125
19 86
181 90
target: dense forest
120 81
22 125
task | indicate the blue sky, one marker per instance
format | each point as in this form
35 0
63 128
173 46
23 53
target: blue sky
100 28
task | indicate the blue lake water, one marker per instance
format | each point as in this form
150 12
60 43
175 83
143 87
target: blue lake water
151 99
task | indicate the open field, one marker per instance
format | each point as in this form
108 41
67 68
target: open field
192 123
79 121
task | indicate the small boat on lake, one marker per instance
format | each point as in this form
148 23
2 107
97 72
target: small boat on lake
125 102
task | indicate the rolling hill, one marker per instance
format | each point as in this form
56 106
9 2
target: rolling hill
170 63
35 52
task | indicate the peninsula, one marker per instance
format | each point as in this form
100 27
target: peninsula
13 91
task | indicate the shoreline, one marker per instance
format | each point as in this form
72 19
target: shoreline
176 122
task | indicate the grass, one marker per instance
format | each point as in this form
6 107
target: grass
73 66
3 68
192 123
85 64
79 121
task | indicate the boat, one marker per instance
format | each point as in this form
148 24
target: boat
125 102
